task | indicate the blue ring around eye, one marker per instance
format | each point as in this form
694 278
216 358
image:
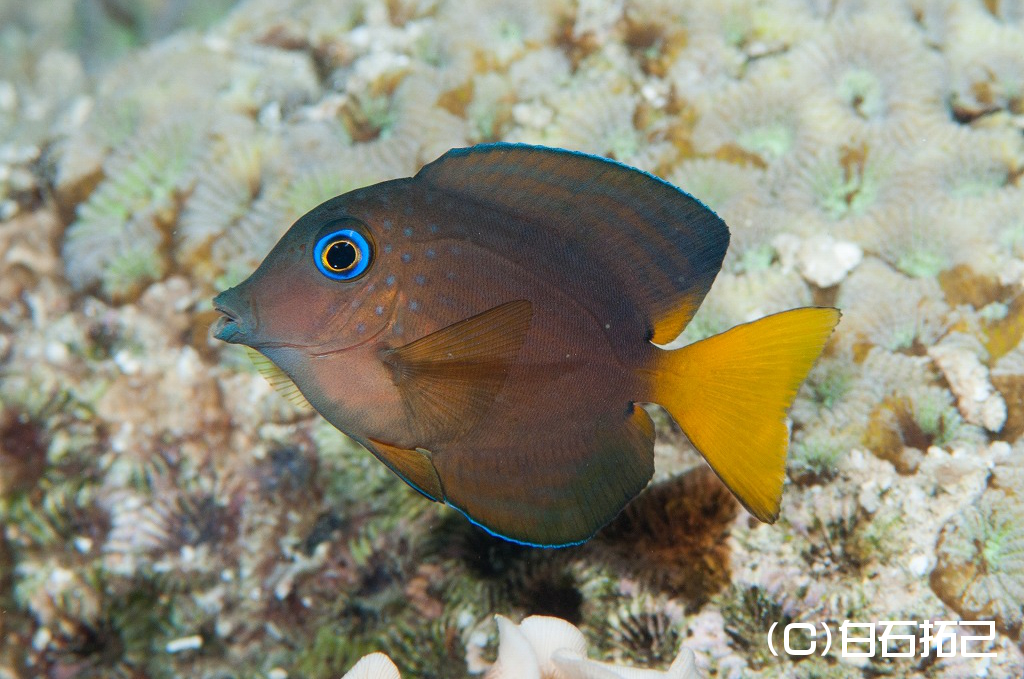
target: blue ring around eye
363 254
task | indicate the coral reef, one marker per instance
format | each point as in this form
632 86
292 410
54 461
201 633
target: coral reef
164 512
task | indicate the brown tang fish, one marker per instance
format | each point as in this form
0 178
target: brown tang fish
486 327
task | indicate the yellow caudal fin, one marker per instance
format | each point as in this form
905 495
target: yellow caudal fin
730 394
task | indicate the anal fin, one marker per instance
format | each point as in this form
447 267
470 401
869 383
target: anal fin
557 487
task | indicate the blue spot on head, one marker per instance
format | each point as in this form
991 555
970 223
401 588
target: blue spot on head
390 280
430 253
420 279
387 248
361 328
406 257
379 310
433 228
407 231
387 224
414 305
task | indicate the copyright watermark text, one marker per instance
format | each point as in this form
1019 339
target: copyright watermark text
886 638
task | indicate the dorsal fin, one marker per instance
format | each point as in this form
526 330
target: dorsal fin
449 378
617 233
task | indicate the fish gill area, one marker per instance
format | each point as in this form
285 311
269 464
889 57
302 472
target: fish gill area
165 513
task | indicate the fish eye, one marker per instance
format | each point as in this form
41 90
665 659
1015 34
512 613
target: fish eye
342 254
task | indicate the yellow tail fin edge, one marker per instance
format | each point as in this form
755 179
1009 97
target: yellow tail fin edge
730 394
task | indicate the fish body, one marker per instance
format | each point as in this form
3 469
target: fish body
487 328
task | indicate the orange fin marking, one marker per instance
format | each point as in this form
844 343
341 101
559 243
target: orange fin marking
413 466
730 394
669 325
449 378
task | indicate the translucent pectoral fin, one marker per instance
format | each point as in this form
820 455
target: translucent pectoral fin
450 378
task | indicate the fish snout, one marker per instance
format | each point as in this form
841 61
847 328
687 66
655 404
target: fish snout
236 322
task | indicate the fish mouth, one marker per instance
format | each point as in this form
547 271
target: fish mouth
226 327
229 327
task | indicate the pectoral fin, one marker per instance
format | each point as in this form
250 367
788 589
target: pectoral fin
450 378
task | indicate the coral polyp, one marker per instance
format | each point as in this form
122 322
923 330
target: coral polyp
121 230
980 569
